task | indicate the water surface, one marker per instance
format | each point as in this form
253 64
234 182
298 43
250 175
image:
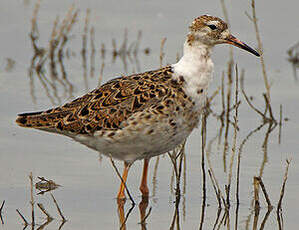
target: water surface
89 183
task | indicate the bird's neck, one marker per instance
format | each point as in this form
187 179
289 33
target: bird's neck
194 61
196 67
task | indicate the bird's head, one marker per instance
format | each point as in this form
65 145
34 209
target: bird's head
208 30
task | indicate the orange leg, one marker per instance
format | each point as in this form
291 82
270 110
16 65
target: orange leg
143 186
121 191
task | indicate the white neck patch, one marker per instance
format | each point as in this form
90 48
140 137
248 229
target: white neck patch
196 67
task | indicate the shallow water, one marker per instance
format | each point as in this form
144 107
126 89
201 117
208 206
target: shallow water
89 183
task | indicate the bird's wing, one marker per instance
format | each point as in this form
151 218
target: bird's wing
105 107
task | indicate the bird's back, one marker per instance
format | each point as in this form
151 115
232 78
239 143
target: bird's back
107 107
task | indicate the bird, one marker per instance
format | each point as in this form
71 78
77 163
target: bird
139 116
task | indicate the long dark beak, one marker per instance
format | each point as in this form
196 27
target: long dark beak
236 42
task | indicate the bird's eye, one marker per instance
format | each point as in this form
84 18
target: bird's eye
212 27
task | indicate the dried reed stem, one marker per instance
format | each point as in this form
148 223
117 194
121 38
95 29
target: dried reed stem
265 146
213 177
256 202
255 219
215 189
222 95
177 169
260 47
268 107
265 219
283 185
211 98
227 112
280 124
256 193
58 209
202 216
239 162
2 205
42 208
176 216
31 199
248 101
237 216
122 181
261 183
203 146
279 220
217 218
224 10
23 218
235 135
222 219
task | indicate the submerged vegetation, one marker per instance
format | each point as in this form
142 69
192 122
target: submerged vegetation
48 63
33 223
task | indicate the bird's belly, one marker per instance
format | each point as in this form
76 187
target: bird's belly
142 141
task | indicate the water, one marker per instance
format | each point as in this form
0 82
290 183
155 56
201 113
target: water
89 183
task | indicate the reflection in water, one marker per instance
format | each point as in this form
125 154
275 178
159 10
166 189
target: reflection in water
225 120
177 157
33 199
279 208
123 218
175 223
154 180
10 64
45 185
53 55
53 76
293 53
47 65
84 49
128 52
271 127
143 215
1 218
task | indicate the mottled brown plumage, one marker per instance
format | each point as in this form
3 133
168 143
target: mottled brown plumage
205 20
106 107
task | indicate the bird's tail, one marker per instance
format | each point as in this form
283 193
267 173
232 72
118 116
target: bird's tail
40 120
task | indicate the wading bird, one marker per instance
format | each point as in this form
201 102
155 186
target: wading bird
147 114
